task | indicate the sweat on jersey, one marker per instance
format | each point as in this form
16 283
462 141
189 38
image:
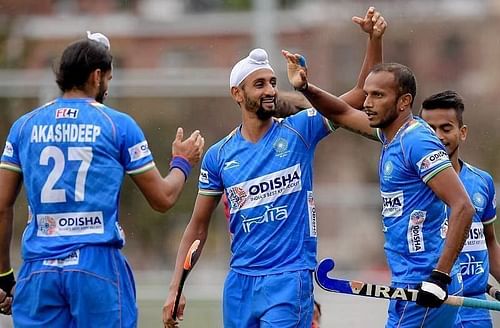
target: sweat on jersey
269 188
73 154
474 262
414 218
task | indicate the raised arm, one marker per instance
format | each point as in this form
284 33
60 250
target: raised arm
163 192
196 229
343 111
374 25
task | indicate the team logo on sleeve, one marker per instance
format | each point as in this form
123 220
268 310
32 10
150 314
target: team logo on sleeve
311 112
8 150
203 176
433 159
139 151
415 235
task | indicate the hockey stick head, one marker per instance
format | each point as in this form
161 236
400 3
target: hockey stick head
330 284
192 255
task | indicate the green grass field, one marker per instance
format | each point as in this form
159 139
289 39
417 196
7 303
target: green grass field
199 314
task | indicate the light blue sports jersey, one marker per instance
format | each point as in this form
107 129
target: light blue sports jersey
414 218
474 263
269 188
73 154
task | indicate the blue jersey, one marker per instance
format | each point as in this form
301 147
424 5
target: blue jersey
269 188
473 259
73 154
414 218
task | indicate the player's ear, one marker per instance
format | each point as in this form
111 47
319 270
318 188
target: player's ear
463 132
404 101
94 79
237 94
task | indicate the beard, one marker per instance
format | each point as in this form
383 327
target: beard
262 113
101 94
387 120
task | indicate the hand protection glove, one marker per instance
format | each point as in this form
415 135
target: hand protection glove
434 291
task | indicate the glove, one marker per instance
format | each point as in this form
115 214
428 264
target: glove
7 281
434 291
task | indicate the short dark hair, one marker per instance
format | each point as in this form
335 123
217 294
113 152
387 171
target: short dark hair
447 99
79 60
403 76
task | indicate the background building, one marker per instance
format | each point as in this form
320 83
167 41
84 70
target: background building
172 64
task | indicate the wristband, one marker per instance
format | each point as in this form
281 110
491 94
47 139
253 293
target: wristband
7 273
182 164
7 281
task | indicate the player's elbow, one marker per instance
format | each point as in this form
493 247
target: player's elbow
467 210
162 205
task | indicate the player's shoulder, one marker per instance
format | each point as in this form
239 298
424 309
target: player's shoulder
230 140
304 114
480 173
110 111
418 130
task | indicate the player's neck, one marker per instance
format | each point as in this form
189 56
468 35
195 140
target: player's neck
456 163
392 130
76 93
253 129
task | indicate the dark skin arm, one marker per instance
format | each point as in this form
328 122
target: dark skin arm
162 192
343 111
447 186
10 186
374 25
196 229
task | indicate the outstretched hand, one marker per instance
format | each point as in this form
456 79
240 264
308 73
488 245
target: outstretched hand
373 23
191 148
296 69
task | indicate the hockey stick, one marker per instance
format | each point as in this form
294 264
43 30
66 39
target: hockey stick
191 257
493 292
360 288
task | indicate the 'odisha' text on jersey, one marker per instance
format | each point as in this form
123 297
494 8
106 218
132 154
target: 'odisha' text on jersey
413 216
73 154
268 185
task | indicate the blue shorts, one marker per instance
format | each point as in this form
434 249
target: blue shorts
93 287
405 314
276 300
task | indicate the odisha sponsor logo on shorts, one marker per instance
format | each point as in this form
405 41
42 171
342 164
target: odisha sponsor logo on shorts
48 225
269 187
433 158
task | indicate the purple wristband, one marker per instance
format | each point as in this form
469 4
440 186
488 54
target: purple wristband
182 164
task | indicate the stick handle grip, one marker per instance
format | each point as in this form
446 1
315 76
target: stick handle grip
179 293
493 292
